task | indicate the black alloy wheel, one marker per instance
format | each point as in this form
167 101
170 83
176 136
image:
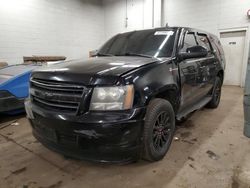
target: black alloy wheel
161 131
159 128
215 101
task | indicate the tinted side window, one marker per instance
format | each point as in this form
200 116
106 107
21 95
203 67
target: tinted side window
219 46
189 41
216 46
203 41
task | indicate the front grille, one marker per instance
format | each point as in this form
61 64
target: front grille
56 95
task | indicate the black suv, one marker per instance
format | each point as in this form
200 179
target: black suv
122 104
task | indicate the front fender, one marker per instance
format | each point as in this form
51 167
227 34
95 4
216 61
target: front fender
164 92
153 80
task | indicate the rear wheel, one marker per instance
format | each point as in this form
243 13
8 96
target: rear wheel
215 101
159 129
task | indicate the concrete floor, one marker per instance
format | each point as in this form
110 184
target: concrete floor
208 153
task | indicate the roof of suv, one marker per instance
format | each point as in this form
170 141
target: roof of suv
175 28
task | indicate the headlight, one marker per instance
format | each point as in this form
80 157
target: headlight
112 98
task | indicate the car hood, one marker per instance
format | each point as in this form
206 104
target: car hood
93 69
13 71
113 66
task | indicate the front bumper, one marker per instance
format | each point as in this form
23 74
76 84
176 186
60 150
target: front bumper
9 102
104 137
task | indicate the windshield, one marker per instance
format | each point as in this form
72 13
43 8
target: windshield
148 43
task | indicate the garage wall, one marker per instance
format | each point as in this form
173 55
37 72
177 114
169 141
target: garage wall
58 27
127 15
73 27
209 15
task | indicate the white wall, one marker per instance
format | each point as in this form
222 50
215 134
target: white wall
44 27
210 15
139 14
73 27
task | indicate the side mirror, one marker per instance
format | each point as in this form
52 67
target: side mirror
93 53
194 52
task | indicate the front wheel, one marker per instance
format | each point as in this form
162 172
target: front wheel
215 101
159 129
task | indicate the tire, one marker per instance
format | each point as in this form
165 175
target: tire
215 101
159 128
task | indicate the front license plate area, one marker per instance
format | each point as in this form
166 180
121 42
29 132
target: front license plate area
48 133
51 135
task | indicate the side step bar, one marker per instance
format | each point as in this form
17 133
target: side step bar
183 113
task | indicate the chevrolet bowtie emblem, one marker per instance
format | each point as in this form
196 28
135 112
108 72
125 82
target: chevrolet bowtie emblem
48 94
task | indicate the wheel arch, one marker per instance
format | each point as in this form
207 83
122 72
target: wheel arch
170 93
220 74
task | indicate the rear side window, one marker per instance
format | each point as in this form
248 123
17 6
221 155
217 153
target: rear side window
216 45
203 41
189 41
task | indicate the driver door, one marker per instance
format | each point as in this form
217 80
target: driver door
189 71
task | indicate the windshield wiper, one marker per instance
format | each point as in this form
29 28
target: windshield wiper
101 54
135 54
